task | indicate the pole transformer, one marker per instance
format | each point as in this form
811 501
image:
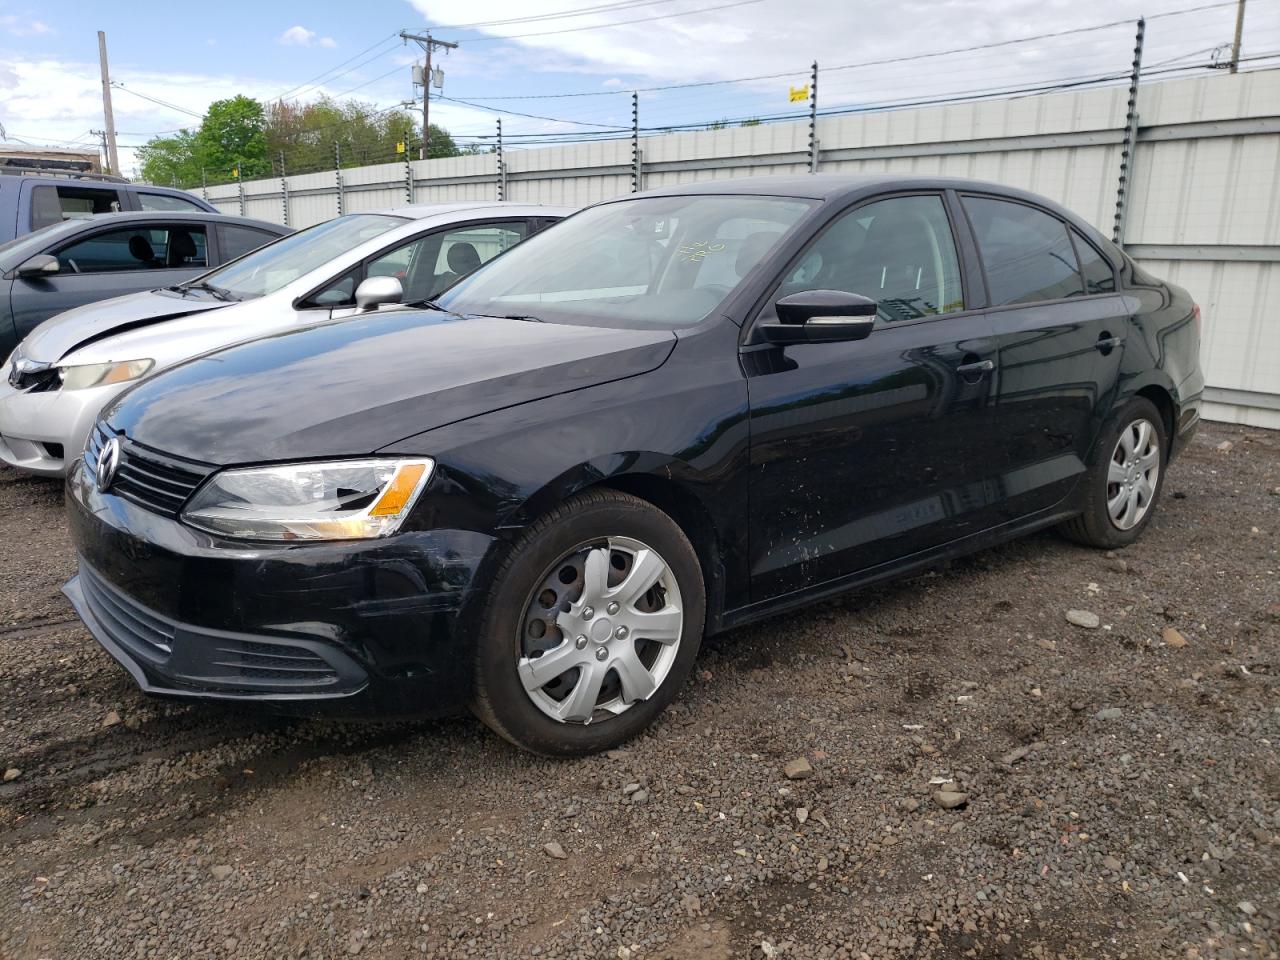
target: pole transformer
428 44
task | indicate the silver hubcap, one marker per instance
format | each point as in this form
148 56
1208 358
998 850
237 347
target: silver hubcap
1133 474
601 632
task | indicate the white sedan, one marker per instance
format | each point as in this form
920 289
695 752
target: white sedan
71 366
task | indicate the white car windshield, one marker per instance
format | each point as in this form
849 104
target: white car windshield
280 263
648 262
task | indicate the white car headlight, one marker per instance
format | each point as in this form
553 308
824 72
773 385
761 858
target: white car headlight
100 374
340 500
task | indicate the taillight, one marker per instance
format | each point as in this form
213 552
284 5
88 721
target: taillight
1195 314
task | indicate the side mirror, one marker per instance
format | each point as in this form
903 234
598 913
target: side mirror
375 291
821 316
42 264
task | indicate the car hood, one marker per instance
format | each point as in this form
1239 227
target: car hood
59 335
348 388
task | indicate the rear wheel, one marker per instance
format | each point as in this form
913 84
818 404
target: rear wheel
592 627
1124 483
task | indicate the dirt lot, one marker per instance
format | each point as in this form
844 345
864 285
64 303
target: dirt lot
1121 785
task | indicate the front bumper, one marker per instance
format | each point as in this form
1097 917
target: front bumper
368 628
44 432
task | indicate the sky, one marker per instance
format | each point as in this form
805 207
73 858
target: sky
869 54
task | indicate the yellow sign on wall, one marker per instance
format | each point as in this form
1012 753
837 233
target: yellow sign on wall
400 146
799 94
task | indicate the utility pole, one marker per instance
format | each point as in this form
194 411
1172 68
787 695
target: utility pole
1235 44
112 157
102 135
428 44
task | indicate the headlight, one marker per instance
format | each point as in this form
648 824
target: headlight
342 500
101 374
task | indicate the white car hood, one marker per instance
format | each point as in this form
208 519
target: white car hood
59 335
190 336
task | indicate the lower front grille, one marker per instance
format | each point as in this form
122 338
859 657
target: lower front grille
133 626
273 663
214 660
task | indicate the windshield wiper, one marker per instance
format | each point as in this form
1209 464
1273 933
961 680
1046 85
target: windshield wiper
218 293
428 304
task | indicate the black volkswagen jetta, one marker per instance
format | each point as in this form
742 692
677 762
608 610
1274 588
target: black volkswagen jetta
667 416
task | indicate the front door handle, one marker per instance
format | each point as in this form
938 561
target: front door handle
978 367
1106 344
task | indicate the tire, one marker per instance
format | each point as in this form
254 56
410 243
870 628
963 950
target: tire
1095 526
589 535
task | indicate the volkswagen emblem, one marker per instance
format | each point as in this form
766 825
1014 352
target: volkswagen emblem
108 463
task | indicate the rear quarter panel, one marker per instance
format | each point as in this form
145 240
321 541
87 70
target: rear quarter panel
1163 345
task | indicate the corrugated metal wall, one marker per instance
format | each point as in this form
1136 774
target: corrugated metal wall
1204 209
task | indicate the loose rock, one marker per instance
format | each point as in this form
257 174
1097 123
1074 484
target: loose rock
798 769
555 851
1083 618
1173 638
111 719
13 773
1109 713
221 871
950 799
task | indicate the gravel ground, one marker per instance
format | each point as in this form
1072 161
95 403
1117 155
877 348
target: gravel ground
943 767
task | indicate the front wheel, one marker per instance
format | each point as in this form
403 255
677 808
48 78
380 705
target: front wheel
1125 481
591 628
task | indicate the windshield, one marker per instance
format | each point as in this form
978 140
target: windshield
650 262
16 252
280 263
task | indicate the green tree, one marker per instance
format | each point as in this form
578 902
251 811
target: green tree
241 133
233 136
167 160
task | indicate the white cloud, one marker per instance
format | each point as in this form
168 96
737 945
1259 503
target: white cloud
767 38
24 26
300 36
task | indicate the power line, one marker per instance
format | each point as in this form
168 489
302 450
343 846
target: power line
619 23
164 103
325 74
563 14
531 116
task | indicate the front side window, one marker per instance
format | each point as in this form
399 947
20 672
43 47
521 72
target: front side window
465 250
165 202
150 248
1027 254
899 252
267 270
662 262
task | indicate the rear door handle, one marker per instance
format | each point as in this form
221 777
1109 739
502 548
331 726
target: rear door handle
1107 344
979 366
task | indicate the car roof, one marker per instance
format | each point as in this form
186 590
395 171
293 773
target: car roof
420 211
149 216
832 186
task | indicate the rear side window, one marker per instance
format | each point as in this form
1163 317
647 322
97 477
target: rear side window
53 204
152 248
1027 254
237 241
164 202
1097 273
